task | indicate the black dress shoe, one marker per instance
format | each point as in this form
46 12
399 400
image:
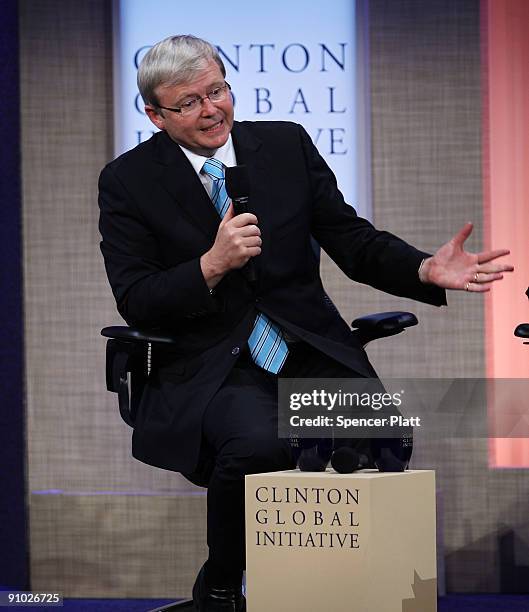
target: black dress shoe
216 598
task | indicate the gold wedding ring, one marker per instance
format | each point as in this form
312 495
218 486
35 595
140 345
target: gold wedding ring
467 285
476 277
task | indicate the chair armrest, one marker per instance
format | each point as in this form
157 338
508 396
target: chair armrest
127 364
522 330
381 325
134 334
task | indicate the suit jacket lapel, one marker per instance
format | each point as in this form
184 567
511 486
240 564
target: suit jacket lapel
181 181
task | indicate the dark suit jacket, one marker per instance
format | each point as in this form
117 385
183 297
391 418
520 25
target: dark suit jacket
157 220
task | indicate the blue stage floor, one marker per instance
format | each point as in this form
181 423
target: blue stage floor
450 603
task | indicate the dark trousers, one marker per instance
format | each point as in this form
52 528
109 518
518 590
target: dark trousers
240 437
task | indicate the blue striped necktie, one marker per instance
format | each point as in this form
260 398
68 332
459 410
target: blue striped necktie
266 342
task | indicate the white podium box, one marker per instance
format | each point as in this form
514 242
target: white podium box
362 542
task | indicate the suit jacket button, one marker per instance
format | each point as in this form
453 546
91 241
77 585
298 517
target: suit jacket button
235 350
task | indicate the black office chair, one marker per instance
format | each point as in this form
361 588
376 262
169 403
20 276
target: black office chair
128 365
128 353
522 330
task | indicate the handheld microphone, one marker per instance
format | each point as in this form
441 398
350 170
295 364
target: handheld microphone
238 189
393 454
315 454
345 460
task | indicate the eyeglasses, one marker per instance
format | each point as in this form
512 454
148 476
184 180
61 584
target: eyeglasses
194 104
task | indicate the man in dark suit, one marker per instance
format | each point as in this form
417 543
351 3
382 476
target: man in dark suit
177 258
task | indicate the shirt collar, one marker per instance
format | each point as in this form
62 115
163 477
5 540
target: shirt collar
225 154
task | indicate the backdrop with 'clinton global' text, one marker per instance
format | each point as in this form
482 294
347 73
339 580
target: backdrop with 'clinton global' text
292 61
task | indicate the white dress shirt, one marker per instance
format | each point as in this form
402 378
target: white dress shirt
225 154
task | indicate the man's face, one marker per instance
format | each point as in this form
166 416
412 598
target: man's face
204 130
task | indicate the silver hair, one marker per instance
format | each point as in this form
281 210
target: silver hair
173 61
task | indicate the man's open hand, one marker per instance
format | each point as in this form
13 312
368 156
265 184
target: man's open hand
454 268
